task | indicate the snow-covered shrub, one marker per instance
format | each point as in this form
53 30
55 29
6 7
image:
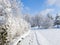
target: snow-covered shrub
12 26
17 27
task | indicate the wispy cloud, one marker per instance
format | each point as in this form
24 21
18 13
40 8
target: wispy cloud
46 11
53 2
50 2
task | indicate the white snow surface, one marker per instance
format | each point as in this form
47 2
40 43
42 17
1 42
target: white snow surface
42 37
19 38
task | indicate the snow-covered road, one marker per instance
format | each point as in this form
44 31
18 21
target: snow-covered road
52 35
37 39
48 36
42 37
41 40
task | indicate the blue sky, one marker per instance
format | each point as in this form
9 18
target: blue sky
35 6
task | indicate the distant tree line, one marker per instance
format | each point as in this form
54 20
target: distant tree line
42 21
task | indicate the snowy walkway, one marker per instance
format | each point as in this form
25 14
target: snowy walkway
41 40
37 39
51 35
42 37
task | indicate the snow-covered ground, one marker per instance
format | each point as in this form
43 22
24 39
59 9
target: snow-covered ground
42 37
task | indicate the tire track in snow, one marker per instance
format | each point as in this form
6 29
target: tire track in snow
37 38
41 40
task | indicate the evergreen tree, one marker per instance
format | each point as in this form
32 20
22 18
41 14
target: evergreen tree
57 21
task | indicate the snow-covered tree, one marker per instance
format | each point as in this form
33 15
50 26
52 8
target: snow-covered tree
57 21
16 7
38 20
48 22
27 17
33 24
